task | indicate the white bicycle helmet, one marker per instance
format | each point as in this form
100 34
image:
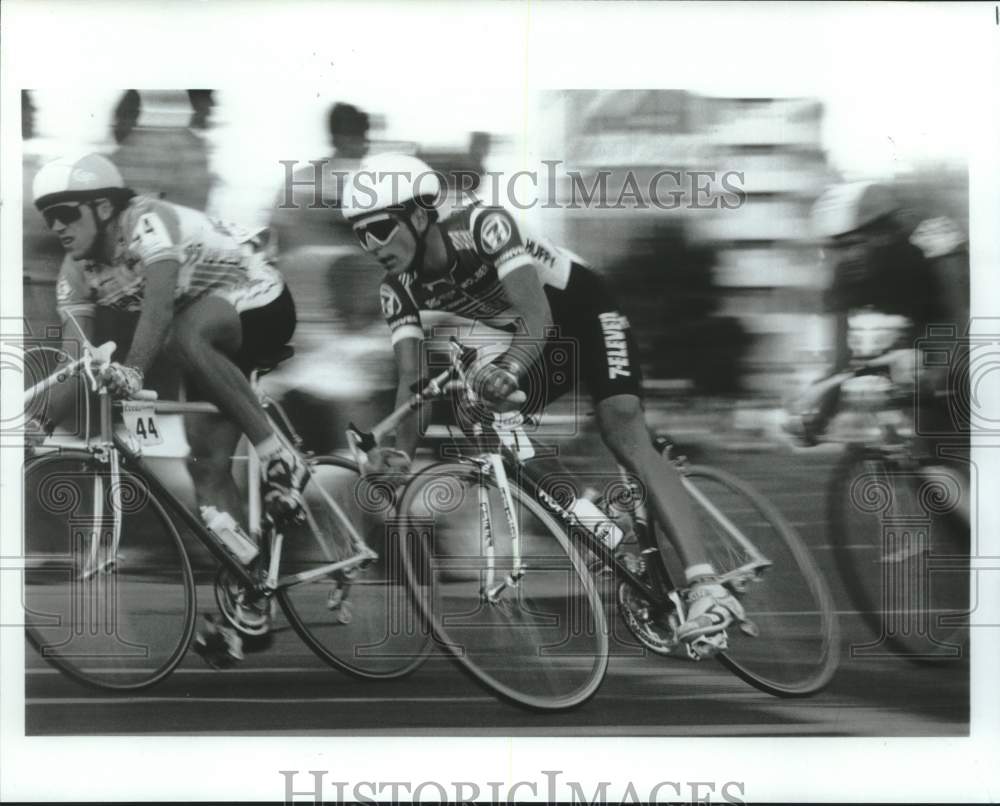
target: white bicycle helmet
76 178
389 182
846 208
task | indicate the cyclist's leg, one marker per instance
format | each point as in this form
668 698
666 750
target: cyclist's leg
216 344
205 338
213 439
610 367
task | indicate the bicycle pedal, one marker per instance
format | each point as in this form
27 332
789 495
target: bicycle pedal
707 647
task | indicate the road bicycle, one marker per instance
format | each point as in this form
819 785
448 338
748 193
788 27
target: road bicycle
899 521
517 602
109 588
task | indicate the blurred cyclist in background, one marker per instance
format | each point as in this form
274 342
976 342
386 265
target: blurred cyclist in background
478 265
886 278
157 277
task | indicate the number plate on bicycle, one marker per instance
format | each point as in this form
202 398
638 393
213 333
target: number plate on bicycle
139 417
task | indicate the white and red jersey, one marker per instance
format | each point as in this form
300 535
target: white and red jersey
214 257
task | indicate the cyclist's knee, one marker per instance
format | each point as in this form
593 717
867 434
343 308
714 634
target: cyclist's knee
620 408
623 426
621 414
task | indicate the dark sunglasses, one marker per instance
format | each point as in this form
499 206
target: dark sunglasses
376 232
66 213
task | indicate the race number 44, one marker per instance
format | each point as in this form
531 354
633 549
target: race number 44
140 420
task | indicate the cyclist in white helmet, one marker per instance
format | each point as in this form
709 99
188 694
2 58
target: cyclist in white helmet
877 266
478 264
201 292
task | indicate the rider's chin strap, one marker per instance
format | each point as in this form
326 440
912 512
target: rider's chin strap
94 253
421 239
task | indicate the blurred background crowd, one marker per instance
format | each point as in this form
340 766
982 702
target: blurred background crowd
727 303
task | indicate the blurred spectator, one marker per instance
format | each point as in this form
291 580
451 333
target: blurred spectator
306 210
126 115
348 128
42 254
343 368
27 116
159 151
202 102
462 169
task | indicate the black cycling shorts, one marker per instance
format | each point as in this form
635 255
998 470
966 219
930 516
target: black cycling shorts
591 341
266 330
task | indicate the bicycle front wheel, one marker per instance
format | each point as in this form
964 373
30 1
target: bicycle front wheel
364 622
541 642
902 558
108 591
797 649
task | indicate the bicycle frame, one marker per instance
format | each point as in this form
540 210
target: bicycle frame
498 447
114 449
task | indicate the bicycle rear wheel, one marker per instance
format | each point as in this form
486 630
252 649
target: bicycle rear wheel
544 643
797 650
111 617
365 624
902 559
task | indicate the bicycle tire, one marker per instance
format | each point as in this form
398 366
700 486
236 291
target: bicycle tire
544 645
876 513
797 651
385 637
124 628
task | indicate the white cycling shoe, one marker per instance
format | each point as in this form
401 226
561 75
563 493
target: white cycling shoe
711 609
219 645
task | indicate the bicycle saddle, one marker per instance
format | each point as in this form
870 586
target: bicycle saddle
269 361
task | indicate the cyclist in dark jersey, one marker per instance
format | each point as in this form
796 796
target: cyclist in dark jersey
477 264
919 279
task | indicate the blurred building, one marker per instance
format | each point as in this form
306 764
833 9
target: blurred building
746 220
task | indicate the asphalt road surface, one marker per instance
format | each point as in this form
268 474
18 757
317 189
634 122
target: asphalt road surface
285 689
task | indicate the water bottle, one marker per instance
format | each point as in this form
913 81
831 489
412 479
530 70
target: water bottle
598 521
224 526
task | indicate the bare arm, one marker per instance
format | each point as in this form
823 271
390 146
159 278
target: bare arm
407 353
531 306
157 314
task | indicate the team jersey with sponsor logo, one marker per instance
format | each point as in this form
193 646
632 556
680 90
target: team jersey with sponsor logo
484 245
214 257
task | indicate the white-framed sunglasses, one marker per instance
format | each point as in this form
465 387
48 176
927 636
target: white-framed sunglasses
376 231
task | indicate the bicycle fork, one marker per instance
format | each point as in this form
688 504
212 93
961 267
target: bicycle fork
107 454
492 589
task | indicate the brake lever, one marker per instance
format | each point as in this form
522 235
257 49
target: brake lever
466 355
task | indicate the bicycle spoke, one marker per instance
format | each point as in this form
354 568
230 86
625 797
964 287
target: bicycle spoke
540 639
108 591
790 645
341 586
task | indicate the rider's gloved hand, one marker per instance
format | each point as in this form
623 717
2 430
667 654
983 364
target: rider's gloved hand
387 461
808 414
122 381
495 382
